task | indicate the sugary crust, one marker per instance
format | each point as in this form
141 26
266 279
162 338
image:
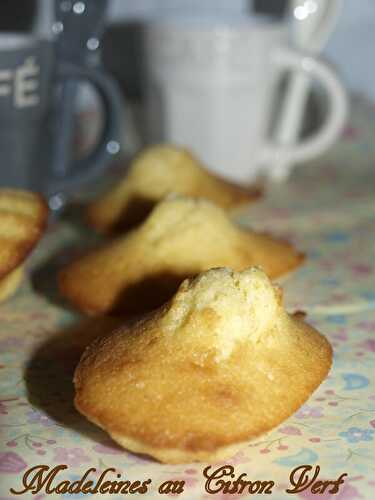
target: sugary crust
166 395
23 219
140 271
156 172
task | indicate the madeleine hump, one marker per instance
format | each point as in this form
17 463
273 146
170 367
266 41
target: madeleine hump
231 349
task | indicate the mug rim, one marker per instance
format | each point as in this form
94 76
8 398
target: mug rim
14 41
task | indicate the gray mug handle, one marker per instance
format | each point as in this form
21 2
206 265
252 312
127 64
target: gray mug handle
85 169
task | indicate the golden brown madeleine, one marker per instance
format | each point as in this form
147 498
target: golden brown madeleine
181 238
23 218
156 172
215 367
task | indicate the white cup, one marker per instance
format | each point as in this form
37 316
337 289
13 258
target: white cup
211 86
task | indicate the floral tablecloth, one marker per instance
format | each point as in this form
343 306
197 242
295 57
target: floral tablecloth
328 209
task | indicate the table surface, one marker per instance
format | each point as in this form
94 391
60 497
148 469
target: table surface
328 210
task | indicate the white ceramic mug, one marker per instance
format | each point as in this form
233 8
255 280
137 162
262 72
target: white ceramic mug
211 86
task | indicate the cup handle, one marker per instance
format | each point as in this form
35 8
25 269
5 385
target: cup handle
108 144
277 157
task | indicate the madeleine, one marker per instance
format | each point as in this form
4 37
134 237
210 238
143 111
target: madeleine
218 365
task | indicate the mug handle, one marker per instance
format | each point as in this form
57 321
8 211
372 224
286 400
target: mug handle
278 157
108 145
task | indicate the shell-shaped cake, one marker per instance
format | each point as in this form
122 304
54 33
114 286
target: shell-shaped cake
180 238
23 218
218 365
156 172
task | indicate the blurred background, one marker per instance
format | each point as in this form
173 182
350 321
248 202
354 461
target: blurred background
350 47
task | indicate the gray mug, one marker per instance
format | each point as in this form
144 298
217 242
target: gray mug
30 76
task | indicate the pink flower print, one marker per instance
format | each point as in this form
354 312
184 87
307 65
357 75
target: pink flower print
108 448
73 457
361 269
339 297
190 481
350 133
35 417
290 430
11 462
369 345
340 335
310 412
368 326
3 409
237 459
